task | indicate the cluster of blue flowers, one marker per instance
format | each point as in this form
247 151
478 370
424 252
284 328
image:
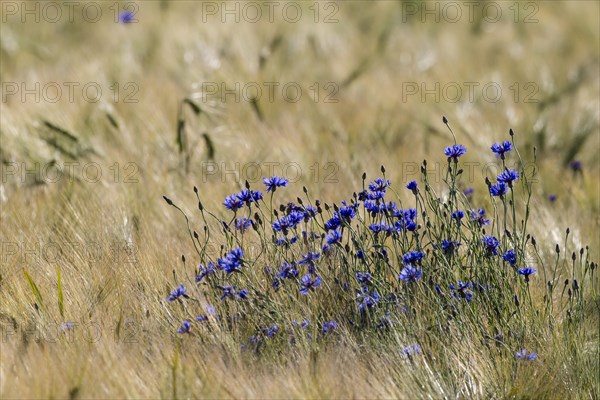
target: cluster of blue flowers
317 247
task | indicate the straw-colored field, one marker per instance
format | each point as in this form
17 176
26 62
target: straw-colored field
100 119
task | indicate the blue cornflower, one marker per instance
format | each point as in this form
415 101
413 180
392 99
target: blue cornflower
228 292
347 212
203 272
202 318
461 291
289 221
333 223
177 293
243 294
412 350
232 261
410 274
249 196
449 246
364 278
412 186
378 227
457 215
185 327
526 272
308 283
510 257
372 206
309 260
522 355
508 177
576 166
455 151
242 224
329 327
413 257
499 189
287 271
127 17
501 148
303 324
468 192
271 331
360 254
274 182
479 217
491 245
379 185
333 237
552 198
233 203
367 299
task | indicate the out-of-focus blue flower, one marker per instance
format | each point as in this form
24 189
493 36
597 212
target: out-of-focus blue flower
576 166
333 237
230 292
287 271
367 299
455 151
360 254
303 324
479 217
310 261
499 189
552 198
242 224
449 247
510 257
177 293
491 245
410 274
522 355
185 327
127 17
203 272
468 192
413 257
308 283
271 330
457 215
461 291
508 177
232 261
274 182
243 294
364 278
501 148
412 350
202 318
329 327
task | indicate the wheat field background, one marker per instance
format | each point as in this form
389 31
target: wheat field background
355 85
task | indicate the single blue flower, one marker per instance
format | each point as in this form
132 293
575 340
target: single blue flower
333 223
413 257
203 272
478 216
576 166
412 350
455 151
379 185
308 283
329 327
526 272
461 291
310 261
412 186
449 247
508 177
468 192
491 245
287 271
177 293
242 224
271 331
410 274
367 300
364 278
185 327
501 148
249 196
499 189
552 198
243 294
232 262
360 254
333 237
127 17
274 182
510 257
233 203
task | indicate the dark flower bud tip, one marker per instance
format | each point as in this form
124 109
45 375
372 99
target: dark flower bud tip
169 202
444 119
